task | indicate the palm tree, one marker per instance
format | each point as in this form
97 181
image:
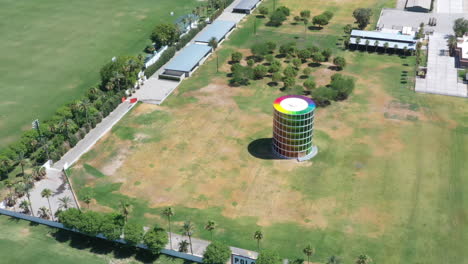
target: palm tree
125 209
308 251
45 144
385 45
363 259
20 188
87 200
84 105
65 126
405 50
65 202
376 44
452 44
169 212
188 229
210 226
21 161
213 43
43 212
9 184
29 184
358 40
334 260
183 246
258 235
395 48
47 193
367 44
25 205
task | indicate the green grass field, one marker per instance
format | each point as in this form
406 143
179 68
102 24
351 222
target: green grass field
388 180
23 242
51 51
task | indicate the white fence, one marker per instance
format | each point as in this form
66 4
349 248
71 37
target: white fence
155 57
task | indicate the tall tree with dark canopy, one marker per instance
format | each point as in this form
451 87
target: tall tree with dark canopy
169 212
362 16
216 253
268 257
165 34
155 239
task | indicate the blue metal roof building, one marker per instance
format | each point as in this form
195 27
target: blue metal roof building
246 6
187 60
219 29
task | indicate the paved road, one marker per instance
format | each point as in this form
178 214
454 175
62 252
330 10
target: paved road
449 6
441 77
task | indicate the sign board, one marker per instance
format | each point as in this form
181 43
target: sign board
237 259
35 124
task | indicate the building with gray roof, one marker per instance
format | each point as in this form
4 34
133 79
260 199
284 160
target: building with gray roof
246 6
419 5
219 30
184 63
378 39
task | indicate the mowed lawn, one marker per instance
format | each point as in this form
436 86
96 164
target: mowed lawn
23 242
51 51
389 180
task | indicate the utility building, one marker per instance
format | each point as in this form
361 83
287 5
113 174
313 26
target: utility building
418 5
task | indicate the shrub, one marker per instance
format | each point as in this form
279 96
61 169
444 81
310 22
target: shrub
284 10
263 10
260 50
309 84
328 15
304 54
268 257
339 62
241 75
289 71
343 86
277 18
326 53
133 233
296 62
270 58
236 56
156 239
250 63
216 253
288 48
271 46
260 71
276 77
318 57
320 20
289 81
323 96
165 57
307 71
274 68
305 14
150 49
362 16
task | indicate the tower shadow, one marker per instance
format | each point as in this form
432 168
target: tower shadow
262 149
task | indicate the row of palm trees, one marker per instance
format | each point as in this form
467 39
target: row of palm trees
386 45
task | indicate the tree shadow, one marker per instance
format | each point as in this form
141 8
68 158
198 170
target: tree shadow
262 149
315 28
314 64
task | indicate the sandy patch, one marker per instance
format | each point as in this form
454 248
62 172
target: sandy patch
24 232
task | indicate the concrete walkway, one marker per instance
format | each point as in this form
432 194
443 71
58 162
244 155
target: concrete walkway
441 77
199 247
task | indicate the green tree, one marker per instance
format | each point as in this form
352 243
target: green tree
65 202
87 200
305 14
169 213
309 84
263 10
290 71
125 209
260 50
155 239
328 14
213 43
347 29
367 44
362 16
216 253
385 45
452 44
318 58
283 9
210 226
308 251
276 77
323 96
320 20
47 193
334 260
21 160
188 228
339 62
277 18
376 45
268 257
460 27
260 71
326 53
183 246
258 235
43 212
307 71
133 233
165 34
236 57
363 259
29 184
25 205
296 62
111 227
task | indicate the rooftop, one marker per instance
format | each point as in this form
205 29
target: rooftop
188 58
217 30
382 35
247 4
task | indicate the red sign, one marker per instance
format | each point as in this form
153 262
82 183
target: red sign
133 100
123 99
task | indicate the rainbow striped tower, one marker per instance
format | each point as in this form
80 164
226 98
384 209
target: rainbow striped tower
293 124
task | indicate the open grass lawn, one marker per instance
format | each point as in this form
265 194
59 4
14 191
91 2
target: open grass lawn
388 180
23 242
51 51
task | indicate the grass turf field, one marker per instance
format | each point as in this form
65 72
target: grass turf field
23 242
388 180
51 51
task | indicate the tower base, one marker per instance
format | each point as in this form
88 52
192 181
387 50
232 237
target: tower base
312 154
